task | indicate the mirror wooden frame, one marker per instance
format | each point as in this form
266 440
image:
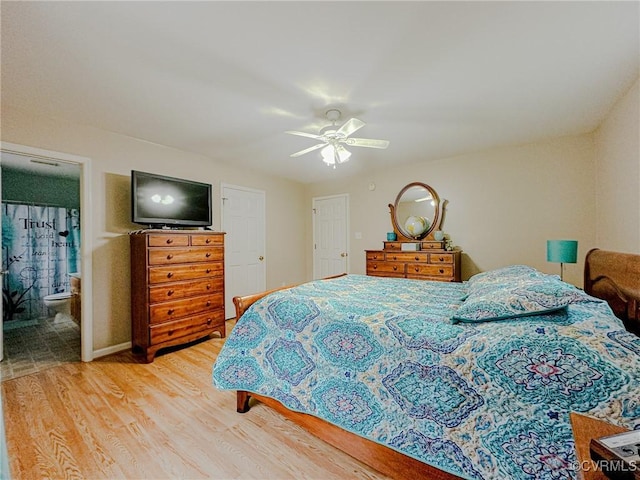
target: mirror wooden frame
401 234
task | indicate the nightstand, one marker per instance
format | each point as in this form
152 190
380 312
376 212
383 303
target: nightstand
584 429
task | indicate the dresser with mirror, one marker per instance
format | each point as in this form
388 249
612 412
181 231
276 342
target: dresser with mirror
416 248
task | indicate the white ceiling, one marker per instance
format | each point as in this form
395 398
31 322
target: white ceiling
226 79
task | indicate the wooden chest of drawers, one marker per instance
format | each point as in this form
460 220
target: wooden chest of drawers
177 288
433 264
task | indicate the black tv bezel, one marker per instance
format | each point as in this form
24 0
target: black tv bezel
157 222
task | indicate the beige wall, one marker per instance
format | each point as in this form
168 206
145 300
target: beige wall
618 176
113 157
503 204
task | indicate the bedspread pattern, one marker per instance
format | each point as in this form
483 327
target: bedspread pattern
379 357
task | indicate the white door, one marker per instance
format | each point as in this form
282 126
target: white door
243 220
330 238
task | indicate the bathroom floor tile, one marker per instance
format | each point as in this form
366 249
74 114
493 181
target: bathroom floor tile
33 348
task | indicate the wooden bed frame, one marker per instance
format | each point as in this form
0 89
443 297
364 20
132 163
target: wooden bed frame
611 276
615 277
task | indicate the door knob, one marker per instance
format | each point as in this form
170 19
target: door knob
261 258
343 254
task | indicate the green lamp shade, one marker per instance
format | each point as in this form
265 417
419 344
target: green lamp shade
562 251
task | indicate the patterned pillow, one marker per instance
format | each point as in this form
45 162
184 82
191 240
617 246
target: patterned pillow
529 295
501 276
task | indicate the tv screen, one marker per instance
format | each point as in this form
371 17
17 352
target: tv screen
159 201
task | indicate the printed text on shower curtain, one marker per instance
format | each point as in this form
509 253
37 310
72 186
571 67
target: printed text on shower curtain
40 248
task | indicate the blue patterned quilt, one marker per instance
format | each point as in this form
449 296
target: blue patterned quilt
380 357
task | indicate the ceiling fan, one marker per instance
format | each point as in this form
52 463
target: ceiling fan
333 139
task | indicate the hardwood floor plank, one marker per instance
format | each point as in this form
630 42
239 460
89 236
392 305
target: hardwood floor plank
119 418
296 438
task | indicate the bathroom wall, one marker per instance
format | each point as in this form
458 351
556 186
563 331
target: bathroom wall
22 187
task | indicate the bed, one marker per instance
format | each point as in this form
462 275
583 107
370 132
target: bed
441 380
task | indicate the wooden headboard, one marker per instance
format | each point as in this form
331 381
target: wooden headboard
615 277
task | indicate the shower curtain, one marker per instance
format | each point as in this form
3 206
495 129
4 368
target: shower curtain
40 248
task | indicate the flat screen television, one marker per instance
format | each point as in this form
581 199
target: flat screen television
160 201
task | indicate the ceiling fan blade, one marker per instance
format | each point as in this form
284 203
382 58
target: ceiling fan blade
367 142
303 134
350 127
307 150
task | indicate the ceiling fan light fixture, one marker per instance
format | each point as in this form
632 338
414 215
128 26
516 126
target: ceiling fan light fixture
332 155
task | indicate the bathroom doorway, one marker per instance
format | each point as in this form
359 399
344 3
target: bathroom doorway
43 245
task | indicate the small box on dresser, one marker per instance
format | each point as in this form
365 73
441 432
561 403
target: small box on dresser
177 288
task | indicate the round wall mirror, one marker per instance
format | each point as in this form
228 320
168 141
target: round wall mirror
416 212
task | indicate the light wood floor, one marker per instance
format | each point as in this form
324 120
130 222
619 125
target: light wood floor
117 418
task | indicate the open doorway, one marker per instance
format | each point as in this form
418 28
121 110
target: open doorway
43 245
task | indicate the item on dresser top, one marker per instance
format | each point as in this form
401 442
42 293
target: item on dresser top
162 201
416 212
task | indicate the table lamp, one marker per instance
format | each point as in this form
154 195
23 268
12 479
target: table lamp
562 251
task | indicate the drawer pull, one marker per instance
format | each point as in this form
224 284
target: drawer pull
170 274
171 311
208 254
417 269
208 303
375 266
170 256
170 332
394 257
209 321
208 286
170 292
208 270
169 240
441 271
208 240
441 259
395 267
417 258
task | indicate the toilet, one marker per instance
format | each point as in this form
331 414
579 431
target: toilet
59 302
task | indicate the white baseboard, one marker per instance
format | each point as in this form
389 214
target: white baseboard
109 350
